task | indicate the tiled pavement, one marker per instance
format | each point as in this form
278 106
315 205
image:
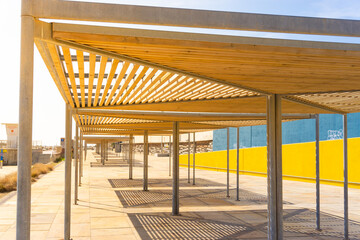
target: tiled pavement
113 207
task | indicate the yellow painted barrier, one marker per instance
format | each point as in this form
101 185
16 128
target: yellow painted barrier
298 161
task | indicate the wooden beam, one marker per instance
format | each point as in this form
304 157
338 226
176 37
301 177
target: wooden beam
86 11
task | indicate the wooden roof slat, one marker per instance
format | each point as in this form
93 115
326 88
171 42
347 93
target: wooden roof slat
188 91
162 82
109 80
80 61
178 85
161 93
138 89
119 79
45 54
70 71
60 71
221 93
189 82
200 91
125 96
152 85
100 78
92 60
126 83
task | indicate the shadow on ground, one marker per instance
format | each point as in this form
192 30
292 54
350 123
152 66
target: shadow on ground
247 224
164 182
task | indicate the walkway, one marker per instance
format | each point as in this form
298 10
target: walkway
113 207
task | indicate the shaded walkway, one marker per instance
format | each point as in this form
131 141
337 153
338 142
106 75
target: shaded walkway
113 207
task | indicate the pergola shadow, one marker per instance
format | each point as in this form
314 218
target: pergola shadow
246 224
115 163
164 182
189 197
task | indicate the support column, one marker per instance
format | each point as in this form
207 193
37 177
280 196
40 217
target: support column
25 124
81 156
194 152
67 201
169 155
146 157
85 150
131 157
102 154
317 143
189 152
237 162
274 168
175 200
346 198
76 164
106 151
228 164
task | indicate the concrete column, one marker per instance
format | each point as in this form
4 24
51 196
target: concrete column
146 157
194 152
169 155
76 158
102 153
237 163
85 151
228 163
106 150
81 156
346 181
161 145
189 151
25 123
274 168
317 162
131 156
67 201
175 202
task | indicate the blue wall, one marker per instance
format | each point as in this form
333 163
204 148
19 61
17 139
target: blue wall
331 127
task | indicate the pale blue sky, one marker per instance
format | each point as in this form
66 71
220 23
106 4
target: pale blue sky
48 120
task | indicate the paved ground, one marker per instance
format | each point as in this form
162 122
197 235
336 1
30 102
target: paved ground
113 207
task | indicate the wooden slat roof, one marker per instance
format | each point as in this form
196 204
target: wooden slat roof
131 69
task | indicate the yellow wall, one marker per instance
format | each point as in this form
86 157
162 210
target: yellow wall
298 161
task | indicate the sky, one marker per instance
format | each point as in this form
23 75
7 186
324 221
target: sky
49 107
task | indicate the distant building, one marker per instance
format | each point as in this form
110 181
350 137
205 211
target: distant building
12 132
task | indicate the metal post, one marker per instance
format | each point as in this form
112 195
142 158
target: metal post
131 157
67 201
175 201
76 164
274 168
194 152
85 150
317 124
161 145
237 163
146 156
25 123
102 152
106 146
81 155
228 164
169 155
346 199
189 157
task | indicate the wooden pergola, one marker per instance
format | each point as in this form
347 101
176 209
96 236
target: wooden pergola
122 81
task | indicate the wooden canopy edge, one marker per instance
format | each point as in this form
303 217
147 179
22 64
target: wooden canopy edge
100 12
61 28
